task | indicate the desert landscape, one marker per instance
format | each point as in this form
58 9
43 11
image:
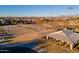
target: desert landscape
37 29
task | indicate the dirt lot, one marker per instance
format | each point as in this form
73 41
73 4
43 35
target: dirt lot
29 32
26 32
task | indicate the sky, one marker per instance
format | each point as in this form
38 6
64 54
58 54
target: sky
38 10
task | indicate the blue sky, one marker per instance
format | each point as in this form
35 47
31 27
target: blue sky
38 10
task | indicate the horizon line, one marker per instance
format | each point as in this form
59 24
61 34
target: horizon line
41 16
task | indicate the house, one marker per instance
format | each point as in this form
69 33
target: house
65 35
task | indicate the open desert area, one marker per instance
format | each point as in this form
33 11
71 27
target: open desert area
26 33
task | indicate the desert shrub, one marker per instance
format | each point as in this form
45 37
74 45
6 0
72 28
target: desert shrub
13 21
44 37
59 42
77 45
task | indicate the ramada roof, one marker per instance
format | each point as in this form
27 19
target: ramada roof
65 35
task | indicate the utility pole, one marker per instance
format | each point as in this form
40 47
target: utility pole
70 9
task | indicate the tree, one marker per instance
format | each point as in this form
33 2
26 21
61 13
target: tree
13 21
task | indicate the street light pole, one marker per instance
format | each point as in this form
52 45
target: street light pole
70 9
